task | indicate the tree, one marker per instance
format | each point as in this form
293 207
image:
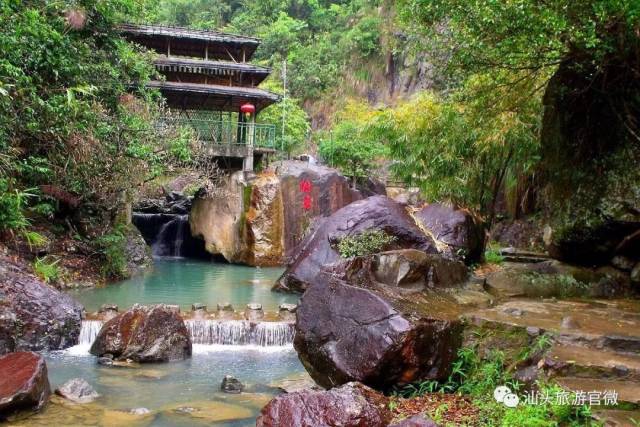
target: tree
348 147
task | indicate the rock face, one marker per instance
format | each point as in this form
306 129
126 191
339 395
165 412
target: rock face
34 316
77 390
457 228
410 268
374 334
24 384
319 247
248 223
144 334
352 405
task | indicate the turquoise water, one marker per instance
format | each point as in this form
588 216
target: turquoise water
184 282
184 393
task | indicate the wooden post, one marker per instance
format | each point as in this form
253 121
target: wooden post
250 135
168 47
206 51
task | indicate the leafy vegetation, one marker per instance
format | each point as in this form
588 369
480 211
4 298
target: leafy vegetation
47 269
478 377
364 243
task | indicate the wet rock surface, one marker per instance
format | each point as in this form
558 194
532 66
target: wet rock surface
33 315
77 390
377 335
318 249
351 405
260 223
457 228
144 334
231 384
24 384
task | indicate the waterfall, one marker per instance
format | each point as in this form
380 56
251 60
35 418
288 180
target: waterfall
170 237
217 332
240 332
89 331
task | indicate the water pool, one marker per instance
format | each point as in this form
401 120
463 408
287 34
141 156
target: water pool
184 282
184 393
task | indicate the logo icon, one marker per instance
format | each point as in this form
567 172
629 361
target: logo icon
503 394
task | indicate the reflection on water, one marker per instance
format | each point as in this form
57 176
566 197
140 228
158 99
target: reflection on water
183 393
184 282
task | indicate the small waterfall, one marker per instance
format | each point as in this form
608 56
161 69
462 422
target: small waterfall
171 237
216 332
240 332
89 331
274 333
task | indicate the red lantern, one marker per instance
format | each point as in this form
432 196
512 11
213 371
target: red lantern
248 109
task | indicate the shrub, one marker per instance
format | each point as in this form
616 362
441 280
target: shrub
112 248
365 243
47 269
12 204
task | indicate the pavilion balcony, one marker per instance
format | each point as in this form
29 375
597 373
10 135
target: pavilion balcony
228 132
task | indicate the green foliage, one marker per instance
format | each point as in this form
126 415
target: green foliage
349 147
464 148
12 204
478 377
492 255
47 269
112 248
69 118
296 124
365 243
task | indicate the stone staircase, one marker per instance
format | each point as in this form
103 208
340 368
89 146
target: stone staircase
596 347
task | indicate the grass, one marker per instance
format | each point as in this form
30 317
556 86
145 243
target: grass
47 269
365 243
492 255
477 377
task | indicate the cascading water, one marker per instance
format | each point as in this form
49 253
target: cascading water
89 331
217 332
169 235
240 332
170 238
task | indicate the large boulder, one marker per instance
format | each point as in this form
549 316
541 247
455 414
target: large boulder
352 405
379 335
144 334
24 384
458 228
33 315
261 222
374 213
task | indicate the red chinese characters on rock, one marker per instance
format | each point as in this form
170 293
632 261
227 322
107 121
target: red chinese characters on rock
305 187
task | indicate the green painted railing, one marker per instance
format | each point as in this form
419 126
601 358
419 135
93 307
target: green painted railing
230 132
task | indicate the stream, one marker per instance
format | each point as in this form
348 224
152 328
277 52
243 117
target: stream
183 393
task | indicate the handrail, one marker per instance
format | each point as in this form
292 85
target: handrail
229 132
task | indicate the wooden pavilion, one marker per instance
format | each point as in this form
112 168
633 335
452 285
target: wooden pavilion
210 85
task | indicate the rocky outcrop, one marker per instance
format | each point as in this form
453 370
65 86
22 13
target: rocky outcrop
77 390
261 222
374 213
458 228
144 334
410 268
34 316
375 334
137 253
352 405
24 384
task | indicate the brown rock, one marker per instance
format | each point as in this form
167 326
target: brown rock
33 315
260 223
378 335
458 228
319 247
24 384
144 334
416 421
352 405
